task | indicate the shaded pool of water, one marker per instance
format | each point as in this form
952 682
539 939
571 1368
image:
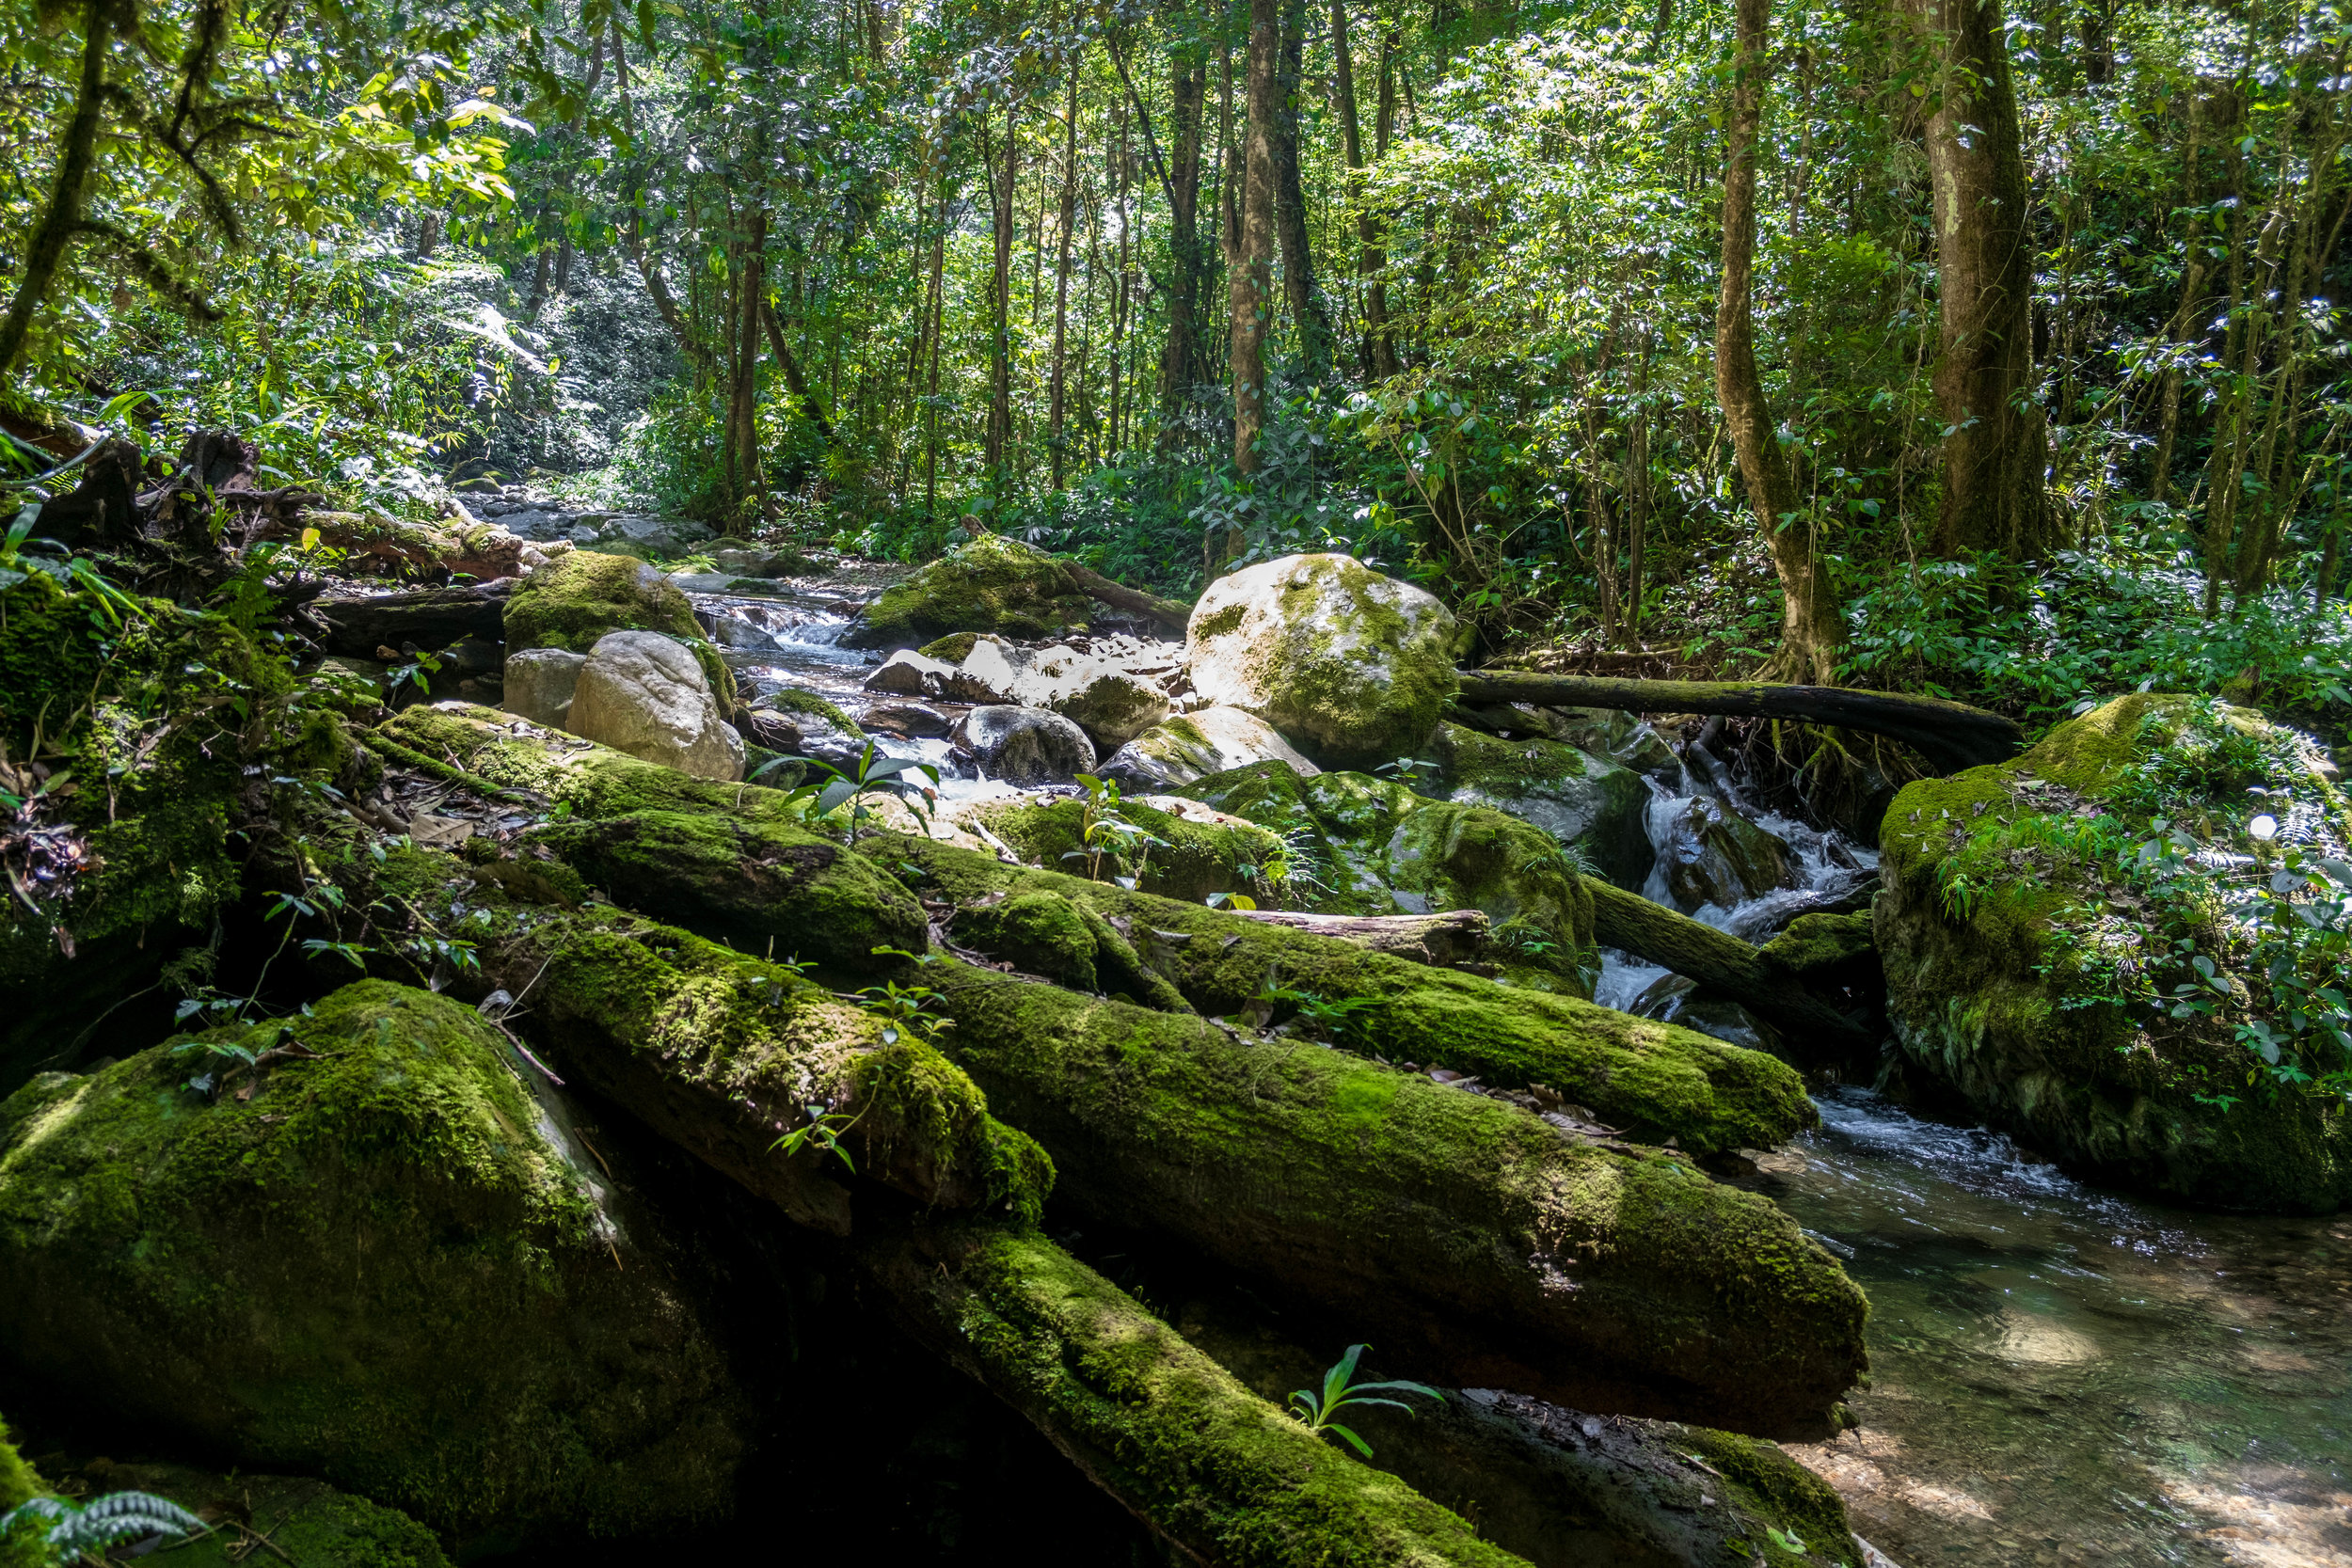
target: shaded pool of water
2064 1376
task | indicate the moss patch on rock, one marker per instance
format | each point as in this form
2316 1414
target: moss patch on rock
373 1268
1580 799
1359 845
1190 860
577 598
988 584
2029 951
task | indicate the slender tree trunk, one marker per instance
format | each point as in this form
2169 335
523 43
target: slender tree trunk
1180 357
1250 261
1810 630
1996 453
1369 260
999 440
77 156
1290 205
1055 439
1637 499
1373 233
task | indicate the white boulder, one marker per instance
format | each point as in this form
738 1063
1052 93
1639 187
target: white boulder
645 694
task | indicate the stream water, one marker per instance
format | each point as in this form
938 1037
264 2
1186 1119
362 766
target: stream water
2061 1375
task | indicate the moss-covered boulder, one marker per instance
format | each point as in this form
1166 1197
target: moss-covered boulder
988 584
1576 796
1358 845
577 599
1354 667
1177 848
2099 949
363 1254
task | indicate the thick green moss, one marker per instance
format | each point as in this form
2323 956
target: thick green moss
374 1268
1576 797
2002 949
578 597
725 1054
989 584
1767 1482
1653 1079
311 1523
1191 859
1359 845
22 1546
1210 1466
756 884
952 649
1470 1239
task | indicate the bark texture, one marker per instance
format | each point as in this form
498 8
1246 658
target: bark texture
1810 630
1996 455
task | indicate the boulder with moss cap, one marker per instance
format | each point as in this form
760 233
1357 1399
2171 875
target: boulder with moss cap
578 599
366 1257
987 584
2031 970
1352 667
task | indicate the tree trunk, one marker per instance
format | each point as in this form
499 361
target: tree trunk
999 442
1373 233
1219 1473
77 156
1249 263
1054 440
1298 283
1951 735
1998 449
1181 356
1811 633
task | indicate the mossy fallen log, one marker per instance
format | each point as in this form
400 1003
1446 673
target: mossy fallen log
631 830
1562 1488
427 618
1654 1080
1452 938
1478 1244
1952 736
727 1054
1221 1475
1813 1033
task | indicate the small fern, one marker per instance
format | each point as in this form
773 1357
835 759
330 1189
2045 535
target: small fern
117 1516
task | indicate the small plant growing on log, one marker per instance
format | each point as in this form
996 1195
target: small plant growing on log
1103 832
1340 1389
824 1131
119 1517
1408 770
875 774
1333 1018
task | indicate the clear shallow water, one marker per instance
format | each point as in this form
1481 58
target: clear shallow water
2066 1376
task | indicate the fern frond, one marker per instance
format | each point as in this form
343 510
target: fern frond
119 1517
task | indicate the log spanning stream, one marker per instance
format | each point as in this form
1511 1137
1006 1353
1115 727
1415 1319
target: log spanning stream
2062 1375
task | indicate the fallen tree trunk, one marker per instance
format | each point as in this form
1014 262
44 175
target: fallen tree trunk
1812 1031
427 618
1559 1487
726 1055
1474 1241
1654 1080
1456 939
1951 735
465 547
1221 1475
1134 600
